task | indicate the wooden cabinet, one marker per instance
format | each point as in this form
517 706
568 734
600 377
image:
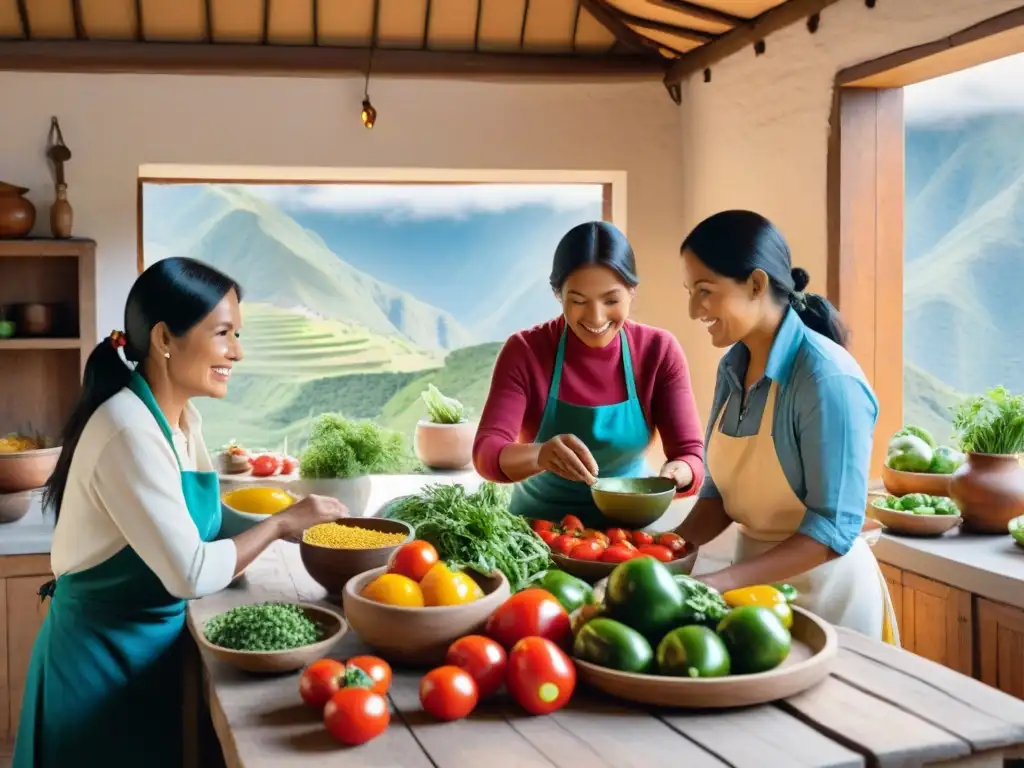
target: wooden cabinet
1001 646
894 581
21 615
937 622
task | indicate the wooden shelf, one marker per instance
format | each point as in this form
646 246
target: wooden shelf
36 247
33 345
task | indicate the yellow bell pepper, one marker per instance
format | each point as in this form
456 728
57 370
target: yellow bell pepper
762 595
442 586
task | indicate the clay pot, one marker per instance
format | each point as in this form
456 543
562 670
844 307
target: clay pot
989 489
17 215
445 446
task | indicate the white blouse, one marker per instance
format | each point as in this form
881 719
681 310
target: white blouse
124 488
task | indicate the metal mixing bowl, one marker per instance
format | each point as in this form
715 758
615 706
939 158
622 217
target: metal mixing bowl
635 502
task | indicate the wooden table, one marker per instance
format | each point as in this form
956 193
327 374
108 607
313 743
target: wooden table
881 707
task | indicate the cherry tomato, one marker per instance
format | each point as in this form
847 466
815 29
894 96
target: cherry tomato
563 544
541 525
264 465
289 464
356 715
673 541
540 677
571 523
592 533
618 553
378 670
640 538
448 693
413 560
548 537
587 549
321 680
483 658
616 535
657 551
533 611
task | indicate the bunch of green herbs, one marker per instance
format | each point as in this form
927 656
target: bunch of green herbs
475 530
340 448
992 423
441 409
262 627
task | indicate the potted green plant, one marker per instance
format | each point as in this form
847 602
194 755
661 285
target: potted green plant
989 486
444 440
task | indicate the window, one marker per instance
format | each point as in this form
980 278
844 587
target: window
357 295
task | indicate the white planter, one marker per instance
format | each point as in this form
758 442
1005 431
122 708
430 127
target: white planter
353 492
445 446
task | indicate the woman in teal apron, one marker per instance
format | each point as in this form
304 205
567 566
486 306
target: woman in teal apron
581 396
104 684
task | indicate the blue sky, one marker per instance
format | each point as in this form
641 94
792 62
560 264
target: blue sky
992 87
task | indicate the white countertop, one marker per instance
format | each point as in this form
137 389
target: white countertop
30 535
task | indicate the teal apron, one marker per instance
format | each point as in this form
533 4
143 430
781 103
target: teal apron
617 436
105 682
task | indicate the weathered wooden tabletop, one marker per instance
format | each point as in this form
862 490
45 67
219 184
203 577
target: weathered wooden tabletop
882 706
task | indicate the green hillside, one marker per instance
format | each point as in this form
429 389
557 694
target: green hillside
927 402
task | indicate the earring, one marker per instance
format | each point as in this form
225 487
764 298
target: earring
167 355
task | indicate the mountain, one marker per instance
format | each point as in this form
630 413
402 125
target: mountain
963 312
281 263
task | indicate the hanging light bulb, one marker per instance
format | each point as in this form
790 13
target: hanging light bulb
369 114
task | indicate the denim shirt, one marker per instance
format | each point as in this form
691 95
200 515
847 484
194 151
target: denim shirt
823 430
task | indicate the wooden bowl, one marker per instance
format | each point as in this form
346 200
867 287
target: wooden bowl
901 483
332 626
635 502
14 506
331 568
814 650
419 636
591 571
26 470
909 524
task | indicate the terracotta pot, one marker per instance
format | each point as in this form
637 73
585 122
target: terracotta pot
445 446
17 215
989 489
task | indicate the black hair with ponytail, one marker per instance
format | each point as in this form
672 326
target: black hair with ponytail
177 292
735 243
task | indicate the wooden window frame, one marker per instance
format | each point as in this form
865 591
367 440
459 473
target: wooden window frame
866 197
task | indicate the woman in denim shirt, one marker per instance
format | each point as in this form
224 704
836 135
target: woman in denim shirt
789 440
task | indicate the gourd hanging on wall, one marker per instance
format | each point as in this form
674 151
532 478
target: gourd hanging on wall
61 215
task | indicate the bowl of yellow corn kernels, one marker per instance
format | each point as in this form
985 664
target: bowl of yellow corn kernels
335 552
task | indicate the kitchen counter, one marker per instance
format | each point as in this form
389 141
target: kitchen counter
881 706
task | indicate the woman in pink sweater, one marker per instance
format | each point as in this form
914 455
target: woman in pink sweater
580 396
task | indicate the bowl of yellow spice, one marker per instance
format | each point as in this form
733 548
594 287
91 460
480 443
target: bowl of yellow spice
335 552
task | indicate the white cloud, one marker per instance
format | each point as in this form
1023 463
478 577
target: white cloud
993 87
429 201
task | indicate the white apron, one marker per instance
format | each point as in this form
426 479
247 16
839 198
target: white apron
848 591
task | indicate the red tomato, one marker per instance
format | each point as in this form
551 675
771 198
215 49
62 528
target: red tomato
289 464
592 533
540 677
588 549
657 551
356 715
563 544
533 611
448 693
321 680
640 538
264 465
548 537
571 523
673 541
413 559
483 658
541 525
618 553
615 535
378 670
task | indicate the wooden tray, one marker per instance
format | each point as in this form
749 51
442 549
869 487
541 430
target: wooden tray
591 571
815 646
909 524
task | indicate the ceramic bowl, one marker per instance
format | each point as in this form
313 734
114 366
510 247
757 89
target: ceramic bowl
331 568
14 506
909 524
635 502
903 483
236 500
419 636
26 470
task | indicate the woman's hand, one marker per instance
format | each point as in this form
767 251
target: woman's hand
309 511
567 456
678 472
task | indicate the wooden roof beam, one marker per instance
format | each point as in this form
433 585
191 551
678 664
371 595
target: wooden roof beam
611 19
700 12
744 34
285 60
